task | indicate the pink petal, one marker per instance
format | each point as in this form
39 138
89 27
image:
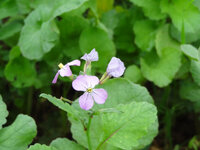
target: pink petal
65 71
92 56
74 63
99 95
85 101
56 77
83 82
115 67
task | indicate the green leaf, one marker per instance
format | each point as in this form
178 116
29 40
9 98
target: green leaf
8 8
70 32
128 127
41 147
9 29
120 91
145 34
96 38
131 127
14 73
19 134
3 112
133 73
182 12
40 33
161 70
60 104
190 51
60 143
195 71
45 36
163 40
151 8
190 91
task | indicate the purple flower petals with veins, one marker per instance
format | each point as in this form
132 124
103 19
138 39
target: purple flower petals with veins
92 56
115 67
65 70
87 84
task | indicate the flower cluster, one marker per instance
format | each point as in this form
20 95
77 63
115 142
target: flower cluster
87 83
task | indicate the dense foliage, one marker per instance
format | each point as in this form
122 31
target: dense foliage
158 42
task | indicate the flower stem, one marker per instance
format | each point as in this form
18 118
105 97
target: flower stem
64 99
88 133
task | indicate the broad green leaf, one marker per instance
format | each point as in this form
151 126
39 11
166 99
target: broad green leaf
163 40
110 20
61 143
41 147
190 51
36 40
60 104
24 6
190 91
126 93
195 71
9 29
189 37
14 73
3 112
97 38
151 8
19 134
40 33
131 127
182 12
70 32
161 70
145 31
133 73
8 8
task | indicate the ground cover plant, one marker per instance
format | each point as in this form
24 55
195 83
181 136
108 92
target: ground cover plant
123 74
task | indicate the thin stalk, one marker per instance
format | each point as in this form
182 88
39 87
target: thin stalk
88 133
65 99
183 34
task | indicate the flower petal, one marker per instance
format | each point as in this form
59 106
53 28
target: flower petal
83 82
56 77
65 71
85 101
74 63
115 67
92 56
99 95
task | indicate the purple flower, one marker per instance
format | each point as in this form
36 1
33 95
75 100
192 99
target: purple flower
115 67
65 70
92 56
87 83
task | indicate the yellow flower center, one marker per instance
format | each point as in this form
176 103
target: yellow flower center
89 90
60 65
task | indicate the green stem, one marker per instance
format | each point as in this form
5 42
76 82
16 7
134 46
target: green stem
88 133
65 99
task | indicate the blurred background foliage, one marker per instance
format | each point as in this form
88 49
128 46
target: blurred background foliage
148 35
